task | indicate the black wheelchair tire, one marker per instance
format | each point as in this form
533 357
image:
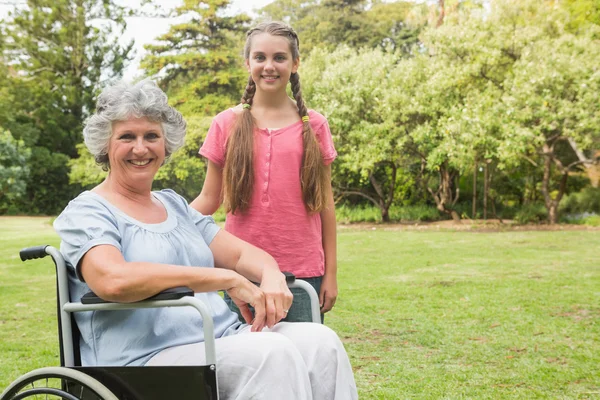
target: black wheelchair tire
13 391
34 392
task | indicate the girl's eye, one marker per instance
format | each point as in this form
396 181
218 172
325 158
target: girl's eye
259 57
280 58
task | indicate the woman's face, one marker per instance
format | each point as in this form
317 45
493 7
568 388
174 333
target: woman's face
270 62
136 150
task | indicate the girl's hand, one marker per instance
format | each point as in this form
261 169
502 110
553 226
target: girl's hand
278 298
246 293
329 292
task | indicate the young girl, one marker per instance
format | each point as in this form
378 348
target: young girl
269 163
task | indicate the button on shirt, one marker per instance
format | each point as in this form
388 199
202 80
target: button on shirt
277 220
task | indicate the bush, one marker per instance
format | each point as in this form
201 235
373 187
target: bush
585 201
366 213
531 214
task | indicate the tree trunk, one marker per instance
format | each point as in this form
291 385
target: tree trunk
485 189
444 194
552 203
440 20
385 214
592 170
553 213
474 213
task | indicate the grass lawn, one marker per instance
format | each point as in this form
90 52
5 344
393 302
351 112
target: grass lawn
423 314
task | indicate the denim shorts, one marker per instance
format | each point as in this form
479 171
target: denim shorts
300 310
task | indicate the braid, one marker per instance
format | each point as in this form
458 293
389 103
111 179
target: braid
238 173
297 92
312 175
249 91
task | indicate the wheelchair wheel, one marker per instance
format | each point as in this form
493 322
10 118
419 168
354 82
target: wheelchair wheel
54 383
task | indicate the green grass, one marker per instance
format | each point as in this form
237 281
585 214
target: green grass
423 314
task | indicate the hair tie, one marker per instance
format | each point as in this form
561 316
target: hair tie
305 118
246 105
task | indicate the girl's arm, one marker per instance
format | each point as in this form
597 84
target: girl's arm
210 198
329 289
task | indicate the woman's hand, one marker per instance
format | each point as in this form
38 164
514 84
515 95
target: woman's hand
245 293
329 292
278 298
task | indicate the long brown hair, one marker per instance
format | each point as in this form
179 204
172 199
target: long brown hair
238 172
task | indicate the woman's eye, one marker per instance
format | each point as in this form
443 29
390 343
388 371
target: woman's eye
152 136
126 136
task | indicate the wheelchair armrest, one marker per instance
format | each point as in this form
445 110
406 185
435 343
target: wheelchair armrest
289 277
169 294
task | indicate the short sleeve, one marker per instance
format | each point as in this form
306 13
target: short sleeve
206 225
84 224
326 142
214 146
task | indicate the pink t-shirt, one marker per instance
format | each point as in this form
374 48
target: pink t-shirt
277 220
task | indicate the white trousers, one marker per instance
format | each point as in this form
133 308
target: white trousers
291 361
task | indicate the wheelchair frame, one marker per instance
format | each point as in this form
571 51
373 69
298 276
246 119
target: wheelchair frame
107 383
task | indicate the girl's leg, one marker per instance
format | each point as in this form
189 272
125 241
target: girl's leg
329 368
300 310
252 365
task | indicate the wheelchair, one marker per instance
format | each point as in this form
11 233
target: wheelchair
71 381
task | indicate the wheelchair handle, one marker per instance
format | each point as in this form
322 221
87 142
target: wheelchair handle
31 253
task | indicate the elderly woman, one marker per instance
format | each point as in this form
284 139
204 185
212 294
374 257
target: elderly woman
126 243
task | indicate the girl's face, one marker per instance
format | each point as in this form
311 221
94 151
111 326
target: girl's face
136 150
270 62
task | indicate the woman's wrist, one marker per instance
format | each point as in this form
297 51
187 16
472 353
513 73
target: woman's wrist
272 272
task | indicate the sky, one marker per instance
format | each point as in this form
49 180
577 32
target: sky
145 30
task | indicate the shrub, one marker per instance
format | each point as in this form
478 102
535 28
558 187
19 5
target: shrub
531 213
585 201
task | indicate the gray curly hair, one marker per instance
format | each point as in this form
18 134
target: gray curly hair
122 101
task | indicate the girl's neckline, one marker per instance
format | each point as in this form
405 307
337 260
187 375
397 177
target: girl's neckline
276 130
160 227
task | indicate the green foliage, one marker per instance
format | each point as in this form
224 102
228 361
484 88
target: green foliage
531 214
58 57
13 169
583 12
356 23
186 170
347 214
349 88
83 170
585 201
198 61
48 188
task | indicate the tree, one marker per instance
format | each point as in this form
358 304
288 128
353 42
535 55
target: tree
198 62
554 101
356 23
349 87
61 53
13 170
525 91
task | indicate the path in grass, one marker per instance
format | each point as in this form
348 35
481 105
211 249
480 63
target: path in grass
423 314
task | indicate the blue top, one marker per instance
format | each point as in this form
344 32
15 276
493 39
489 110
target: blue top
132 337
